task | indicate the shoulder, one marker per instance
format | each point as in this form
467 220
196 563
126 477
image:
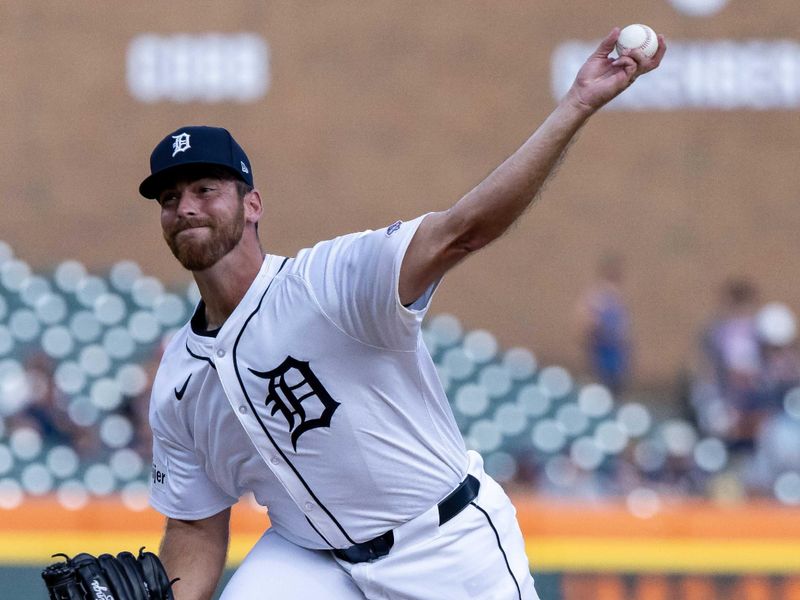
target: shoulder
323 255
356 246
326 246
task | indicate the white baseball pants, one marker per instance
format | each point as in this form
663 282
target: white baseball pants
477 555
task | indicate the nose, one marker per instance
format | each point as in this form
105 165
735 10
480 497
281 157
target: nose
187 204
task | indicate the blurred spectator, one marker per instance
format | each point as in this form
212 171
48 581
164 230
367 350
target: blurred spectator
604 321
776 327
727 393
777 432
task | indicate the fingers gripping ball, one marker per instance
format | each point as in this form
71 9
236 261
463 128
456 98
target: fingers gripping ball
637 37
107 577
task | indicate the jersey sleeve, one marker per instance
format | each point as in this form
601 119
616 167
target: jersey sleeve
179 487
355 278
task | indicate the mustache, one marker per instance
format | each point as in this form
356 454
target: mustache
189 223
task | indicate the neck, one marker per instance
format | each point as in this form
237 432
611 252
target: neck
223 285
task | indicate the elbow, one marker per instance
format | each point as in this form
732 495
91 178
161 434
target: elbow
471 231
464 246
472 239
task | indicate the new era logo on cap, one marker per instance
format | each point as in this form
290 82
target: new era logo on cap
195 145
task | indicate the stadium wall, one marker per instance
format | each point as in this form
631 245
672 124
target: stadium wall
687 551
376 111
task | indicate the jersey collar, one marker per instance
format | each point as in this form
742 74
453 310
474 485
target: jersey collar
198 331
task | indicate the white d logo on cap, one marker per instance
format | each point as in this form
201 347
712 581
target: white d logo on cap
181 143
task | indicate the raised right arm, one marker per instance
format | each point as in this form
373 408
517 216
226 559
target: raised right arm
445 238
195 551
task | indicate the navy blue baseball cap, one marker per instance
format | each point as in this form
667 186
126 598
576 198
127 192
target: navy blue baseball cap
195 145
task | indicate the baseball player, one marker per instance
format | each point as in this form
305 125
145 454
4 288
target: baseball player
305 381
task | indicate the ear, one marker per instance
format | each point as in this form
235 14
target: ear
253 206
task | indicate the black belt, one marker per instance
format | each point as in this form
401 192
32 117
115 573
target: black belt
373 549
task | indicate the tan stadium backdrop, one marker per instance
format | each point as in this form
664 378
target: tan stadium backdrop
379 110
383 110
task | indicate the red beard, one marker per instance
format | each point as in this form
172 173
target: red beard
197 252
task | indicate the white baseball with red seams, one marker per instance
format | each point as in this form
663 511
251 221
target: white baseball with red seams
637 37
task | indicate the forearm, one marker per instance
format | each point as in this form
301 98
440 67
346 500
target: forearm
487 211
443 239
482 215
195 552
492 206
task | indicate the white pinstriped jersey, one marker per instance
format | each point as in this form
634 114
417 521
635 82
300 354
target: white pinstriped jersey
317 394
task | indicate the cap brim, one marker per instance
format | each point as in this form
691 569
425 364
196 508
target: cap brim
152 185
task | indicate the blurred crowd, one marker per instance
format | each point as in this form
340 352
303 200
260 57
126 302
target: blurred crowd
61 421
741 388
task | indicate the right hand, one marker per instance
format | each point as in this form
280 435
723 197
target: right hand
601 78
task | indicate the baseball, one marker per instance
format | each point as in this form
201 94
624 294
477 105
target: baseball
637 37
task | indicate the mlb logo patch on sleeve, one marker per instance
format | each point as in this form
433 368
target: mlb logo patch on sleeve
393 227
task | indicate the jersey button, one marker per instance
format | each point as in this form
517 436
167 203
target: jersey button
274 460
220 352
309 506
242 409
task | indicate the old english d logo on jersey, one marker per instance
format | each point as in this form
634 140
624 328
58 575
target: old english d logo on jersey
296 393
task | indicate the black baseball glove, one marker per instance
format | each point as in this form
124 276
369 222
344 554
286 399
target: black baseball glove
107 577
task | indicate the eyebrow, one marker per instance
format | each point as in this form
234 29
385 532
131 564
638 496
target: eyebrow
173 185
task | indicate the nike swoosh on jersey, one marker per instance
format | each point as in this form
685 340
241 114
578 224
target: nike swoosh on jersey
179 393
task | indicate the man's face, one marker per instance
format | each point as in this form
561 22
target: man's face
202 220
